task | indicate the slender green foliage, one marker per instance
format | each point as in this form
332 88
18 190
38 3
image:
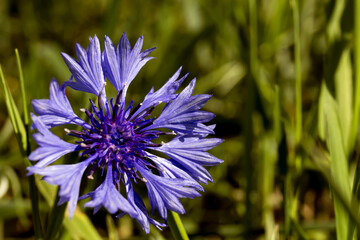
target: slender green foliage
23 142
298 81
356 112
338 164
176 226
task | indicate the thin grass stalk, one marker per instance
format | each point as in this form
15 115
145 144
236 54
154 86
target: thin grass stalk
338 165
248 124
22 139
294 160
298 87
56 218
269 162
34 192
24 100
176 226
321 160
355 120
355 195
288 194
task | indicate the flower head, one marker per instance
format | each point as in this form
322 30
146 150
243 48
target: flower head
121 142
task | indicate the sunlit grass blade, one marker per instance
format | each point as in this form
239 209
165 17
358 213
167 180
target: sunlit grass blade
294 158
338 163
321 159
14 115
300 230
248 116
298 84
356 112
55 220
80 227
16 190
22 138
269 157
275 234
24 101
355 198
77 227
343 91
176 226
112 231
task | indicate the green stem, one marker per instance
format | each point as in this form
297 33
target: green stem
354 199
34 193
298 90
355 120
248 116
56 219
176 226
23 93
294 158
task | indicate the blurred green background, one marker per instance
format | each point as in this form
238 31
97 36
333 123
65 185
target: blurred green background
241 52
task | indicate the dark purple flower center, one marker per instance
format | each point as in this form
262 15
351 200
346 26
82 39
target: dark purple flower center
117 138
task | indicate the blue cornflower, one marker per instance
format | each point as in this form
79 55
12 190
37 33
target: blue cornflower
120 142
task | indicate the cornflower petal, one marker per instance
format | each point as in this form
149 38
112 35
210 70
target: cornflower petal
142 215
170 170
121 65
164 193
182 115
108 196
190 153
51 147
164 94
67 177
87 72
56 110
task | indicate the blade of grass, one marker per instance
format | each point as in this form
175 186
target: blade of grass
80 227
294 159
338 164
22 138
18 125
275 233
269 156
343 90
248 116
355 194
112 231
298 88
55 220
17 198
300 230
176 226
355 119
320 158
24 101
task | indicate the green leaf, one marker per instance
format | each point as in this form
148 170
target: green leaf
14 115
9 208
112 231
24 101
81 227
16 191
23 141
176 226
55 220
338 164
356 113
343 90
